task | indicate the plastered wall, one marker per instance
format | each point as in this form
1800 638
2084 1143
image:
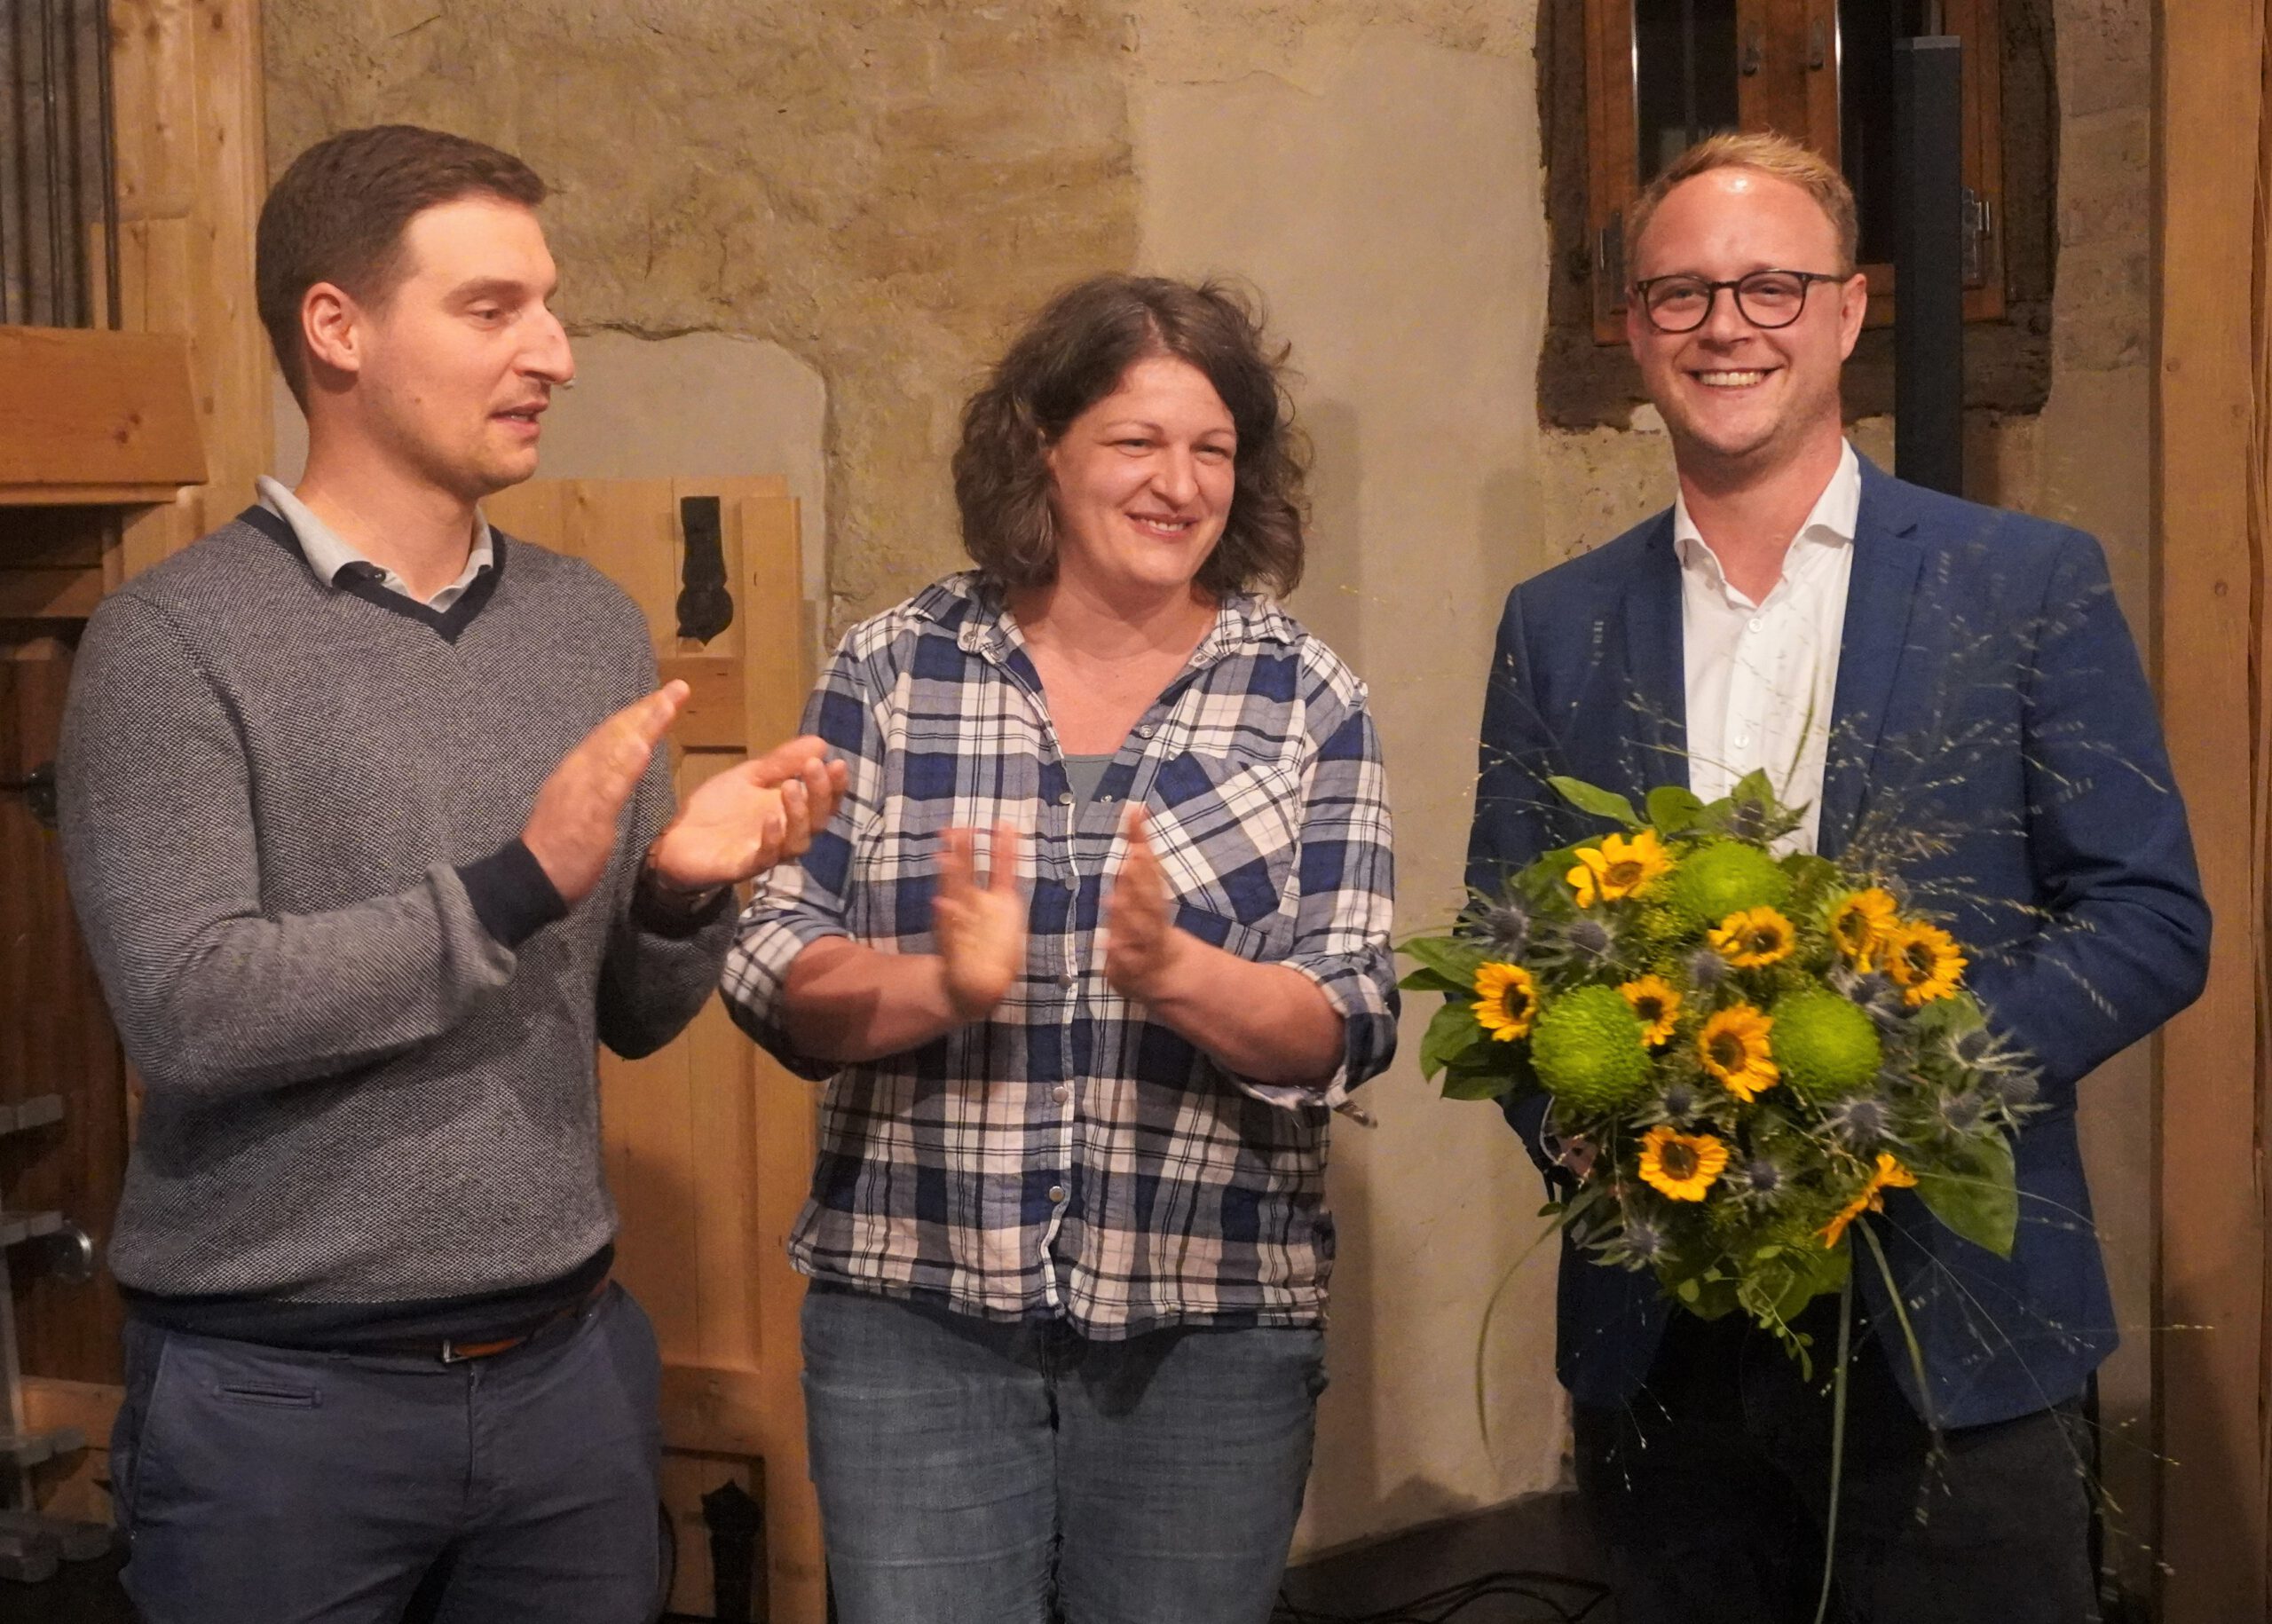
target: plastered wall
866 195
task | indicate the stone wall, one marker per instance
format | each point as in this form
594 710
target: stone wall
881 189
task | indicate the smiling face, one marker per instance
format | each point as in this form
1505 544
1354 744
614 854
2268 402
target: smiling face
1738 400
1140 484
454 367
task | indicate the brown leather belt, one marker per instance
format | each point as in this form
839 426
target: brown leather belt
455 1350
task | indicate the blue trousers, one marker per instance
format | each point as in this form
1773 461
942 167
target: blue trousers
973 1472
260 1485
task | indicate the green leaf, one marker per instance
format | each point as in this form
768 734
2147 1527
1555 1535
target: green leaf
1591 798
1462 1085
1981 1201
1754 787
1673 808
1425 980
1451 1032
1454 959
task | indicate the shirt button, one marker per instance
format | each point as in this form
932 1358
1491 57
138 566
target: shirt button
1754 623
1062 1093
1056 1194
1064 798
1066 978
1144 730
1742 740
1072 882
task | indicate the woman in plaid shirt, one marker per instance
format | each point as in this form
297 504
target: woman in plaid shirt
1098 940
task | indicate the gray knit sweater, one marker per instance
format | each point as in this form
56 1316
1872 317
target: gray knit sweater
291 815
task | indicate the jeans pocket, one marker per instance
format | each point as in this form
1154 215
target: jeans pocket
272 1395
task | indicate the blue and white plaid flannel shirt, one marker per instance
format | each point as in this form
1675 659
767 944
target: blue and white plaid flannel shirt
1068 1157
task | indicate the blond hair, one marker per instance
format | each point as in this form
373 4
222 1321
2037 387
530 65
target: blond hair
1768 153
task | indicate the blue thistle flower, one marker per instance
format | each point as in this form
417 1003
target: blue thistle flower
1504 926
1860 1120
1589 936
2016 1089
1642 1239
1764 1176
1960 1114
1706 969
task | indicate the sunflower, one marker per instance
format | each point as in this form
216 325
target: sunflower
1657 1001
1861 923
1888 1175
1682 1165
1617 867
1924 963
1733 1048
1754 937
1506 998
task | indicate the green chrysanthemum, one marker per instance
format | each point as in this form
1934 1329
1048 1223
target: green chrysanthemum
1824 1046
1587 1047
1723 878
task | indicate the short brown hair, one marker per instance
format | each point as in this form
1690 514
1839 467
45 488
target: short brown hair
1074 353
338 213
1770 154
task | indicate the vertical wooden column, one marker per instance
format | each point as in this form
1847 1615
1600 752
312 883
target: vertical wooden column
192 172
2211 341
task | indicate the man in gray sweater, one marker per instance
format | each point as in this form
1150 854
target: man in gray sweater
371 842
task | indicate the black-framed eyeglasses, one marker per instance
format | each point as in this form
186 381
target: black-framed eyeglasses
1681 304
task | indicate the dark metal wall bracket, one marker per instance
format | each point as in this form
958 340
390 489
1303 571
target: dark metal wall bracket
705 606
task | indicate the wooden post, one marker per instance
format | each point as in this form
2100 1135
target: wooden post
2210 507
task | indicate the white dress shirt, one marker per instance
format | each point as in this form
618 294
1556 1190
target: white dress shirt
1760 677
327 555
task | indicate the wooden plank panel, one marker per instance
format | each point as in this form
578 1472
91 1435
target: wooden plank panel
154 92
628 528
50 595
530 511
721 1173
59 1041
56 538
81 408
2209 528
777 672
232 178
713 718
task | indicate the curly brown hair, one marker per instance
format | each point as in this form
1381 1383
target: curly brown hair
1074 353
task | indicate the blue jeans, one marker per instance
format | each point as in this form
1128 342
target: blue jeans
260 1485
973 1472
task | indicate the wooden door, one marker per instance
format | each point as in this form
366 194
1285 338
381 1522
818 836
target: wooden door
709 1143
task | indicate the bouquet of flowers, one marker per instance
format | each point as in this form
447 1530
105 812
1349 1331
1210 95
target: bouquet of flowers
1742 1052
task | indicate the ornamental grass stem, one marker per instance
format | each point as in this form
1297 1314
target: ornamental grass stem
1837 1445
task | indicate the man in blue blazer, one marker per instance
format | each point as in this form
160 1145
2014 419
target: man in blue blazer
1902 663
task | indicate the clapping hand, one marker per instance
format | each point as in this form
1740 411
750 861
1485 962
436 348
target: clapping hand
749 817
981 929
1143 947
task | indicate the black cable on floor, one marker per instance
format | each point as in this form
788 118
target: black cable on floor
1581 1596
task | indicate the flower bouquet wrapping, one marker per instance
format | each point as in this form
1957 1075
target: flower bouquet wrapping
1742 1053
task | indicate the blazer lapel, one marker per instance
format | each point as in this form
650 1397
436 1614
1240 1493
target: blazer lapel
1881 595
1655 662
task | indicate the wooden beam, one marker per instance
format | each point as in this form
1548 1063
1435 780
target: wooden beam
83 409
2209 536
50 595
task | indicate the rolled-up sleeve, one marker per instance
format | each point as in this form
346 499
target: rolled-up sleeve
1343 912
798 904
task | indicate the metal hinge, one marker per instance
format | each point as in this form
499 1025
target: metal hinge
1979 226
1609 257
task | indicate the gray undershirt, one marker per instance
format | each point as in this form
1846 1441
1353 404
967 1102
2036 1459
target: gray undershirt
1084 773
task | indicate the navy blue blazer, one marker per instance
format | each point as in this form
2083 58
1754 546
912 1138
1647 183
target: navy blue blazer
1988 692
